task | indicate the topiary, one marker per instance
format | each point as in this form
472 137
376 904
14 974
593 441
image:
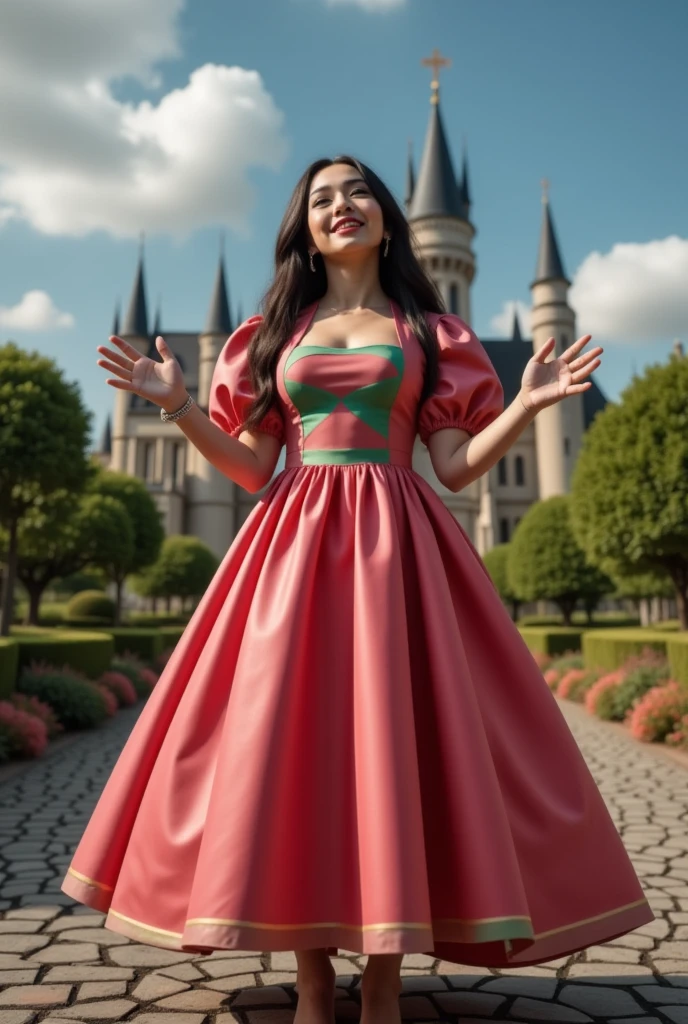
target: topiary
77 703
636 684
131 667
90 604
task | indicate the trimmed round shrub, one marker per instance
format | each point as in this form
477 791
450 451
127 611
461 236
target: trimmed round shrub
90 604
27 735
40 709
131 667
599 699
658 712
679 737
121 686
76 701
635 684
109 699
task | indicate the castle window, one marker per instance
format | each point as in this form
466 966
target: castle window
520 472
503 531
178 453
149 460
454 299
567 446
501 470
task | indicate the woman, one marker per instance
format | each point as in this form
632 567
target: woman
351 746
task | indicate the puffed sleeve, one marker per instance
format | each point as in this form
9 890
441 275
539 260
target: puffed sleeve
230 387
468 393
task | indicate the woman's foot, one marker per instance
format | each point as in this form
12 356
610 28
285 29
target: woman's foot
380 998
315 985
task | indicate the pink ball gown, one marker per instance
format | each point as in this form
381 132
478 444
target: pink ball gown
351 745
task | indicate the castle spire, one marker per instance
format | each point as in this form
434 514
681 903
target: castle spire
549 263
435 192
219 320
136 320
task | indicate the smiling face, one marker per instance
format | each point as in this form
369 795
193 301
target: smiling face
338 193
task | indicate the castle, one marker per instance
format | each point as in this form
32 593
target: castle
197 499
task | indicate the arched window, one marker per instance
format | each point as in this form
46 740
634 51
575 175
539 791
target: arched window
454 299
503 531
567 446
501 470
520 472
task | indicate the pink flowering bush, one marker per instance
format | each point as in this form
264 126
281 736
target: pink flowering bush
542 660
24 733
121 686
599 698
658 712
552 677
149 676
41 709
110 700
569 679
679 737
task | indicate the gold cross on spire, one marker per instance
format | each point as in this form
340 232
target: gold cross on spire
545 190
435 61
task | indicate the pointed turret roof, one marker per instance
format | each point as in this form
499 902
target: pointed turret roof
157 328
516 328
436 192
115 321
410 177
136 320
219 320
549 263
106 438
464 188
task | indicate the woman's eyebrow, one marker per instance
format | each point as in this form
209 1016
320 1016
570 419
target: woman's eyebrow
348 181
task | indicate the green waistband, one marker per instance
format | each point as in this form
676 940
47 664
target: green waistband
342 456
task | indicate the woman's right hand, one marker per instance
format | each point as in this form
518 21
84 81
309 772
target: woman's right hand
161 383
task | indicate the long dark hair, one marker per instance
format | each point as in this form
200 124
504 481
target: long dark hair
295 286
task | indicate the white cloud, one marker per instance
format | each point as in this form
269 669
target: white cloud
638 292
35 312
503 322
370 5
75 159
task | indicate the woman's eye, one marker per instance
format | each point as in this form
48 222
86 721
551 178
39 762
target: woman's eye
354 191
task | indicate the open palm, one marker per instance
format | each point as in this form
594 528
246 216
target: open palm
158 382
544 383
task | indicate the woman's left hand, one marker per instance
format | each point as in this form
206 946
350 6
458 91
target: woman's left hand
544 383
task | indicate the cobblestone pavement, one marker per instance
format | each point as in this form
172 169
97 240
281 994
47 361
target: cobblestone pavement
57 962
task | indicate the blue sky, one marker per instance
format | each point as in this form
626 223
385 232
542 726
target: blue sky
181 119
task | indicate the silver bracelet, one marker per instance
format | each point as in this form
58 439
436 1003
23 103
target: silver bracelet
171 417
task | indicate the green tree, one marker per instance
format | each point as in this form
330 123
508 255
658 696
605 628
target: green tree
629 493
44 435
62 533
184 569
546 563
496 562
146 523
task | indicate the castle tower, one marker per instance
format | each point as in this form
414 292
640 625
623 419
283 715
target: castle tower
135 331
438 210
212 497
558 428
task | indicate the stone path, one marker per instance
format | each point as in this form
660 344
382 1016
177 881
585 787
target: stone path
57 962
